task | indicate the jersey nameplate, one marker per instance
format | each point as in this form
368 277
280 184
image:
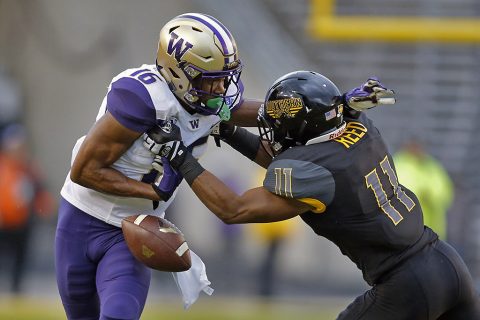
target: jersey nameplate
353 133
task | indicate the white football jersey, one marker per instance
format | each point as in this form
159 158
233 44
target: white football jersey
139 99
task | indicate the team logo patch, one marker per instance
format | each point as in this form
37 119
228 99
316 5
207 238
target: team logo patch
194 123
288 107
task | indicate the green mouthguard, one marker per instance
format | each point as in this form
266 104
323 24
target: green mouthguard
216 103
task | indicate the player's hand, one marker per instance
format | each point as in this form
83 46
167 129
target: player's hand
154 138
166 184
369 95
173 151
166 143
222 131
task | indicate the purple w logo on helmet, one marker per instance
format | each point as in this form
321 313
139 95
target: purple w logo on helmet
176 47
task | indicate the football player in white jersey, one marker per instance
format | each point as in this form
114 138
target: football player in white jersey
194 85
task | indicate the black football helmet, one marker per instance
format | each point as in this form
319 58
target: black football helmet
302 107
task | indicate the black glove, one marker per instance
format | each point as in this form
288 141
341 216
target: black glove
170 150
154 138
222 131
174 151
165 142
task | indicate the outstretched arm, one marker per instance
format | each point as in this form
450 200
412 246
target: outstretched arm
255 205
367 96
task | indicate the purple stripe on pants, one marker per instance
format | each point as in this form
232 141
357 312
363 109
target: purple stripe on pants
97 276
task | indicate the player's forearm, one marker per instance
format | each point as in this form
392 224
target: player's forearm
254 206
111 181
216 196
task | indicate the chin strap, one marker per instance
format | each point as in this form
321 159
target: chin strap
329 135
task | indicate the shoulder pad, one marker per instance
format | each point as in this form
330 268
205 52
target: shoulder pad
302 180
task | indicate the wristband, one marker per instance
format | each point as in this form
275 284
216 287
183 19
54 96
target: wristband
244 142
190 168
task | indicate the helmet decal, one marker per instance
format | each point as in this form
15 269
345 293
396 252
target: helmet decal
175 48
300 108
284 107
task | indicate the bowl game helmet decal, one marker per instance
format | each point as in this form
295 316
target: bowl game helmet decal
195 49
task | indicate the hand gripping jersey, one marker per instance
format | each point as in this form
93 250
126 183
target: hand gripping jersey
139 99
359 204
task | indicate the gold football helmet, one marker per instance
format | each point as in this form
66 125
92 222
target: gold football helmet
194 48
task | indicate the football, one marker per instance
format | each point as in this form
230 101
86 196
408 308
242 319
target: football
157 243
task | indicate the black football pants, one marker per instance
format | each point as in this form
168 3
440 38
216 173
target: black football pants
434 284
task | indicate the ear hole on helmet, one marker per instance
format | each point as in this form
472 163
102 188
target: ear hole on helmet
172 29
173 73
196 29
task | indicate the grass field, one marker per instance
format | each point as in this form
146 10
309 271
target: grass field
207 308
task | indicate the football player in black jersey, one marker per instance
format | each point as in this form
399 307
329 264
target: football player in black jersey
329 164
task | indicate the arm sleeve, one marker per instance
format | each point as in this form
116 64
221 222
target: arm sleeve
131 105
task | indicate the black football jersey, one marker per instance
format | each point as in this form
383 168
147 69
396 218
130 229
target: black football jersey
359 204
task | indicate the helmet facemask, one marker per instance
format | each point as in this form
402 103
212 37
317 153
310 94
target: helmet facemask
201 95
274 136
266 134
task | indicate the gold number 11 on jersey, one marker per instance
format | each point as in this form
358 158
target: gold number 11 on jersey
373 182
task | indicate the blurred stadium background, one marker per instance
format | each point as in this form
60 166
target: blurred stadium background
63 54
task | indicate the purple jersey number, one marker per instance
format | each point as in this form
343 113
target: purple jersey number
146 76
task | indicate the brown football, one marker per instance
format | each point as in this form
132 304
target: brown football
157 243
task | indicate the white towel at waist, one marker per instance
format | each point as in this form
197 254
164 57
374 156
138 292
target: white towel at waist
193 281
